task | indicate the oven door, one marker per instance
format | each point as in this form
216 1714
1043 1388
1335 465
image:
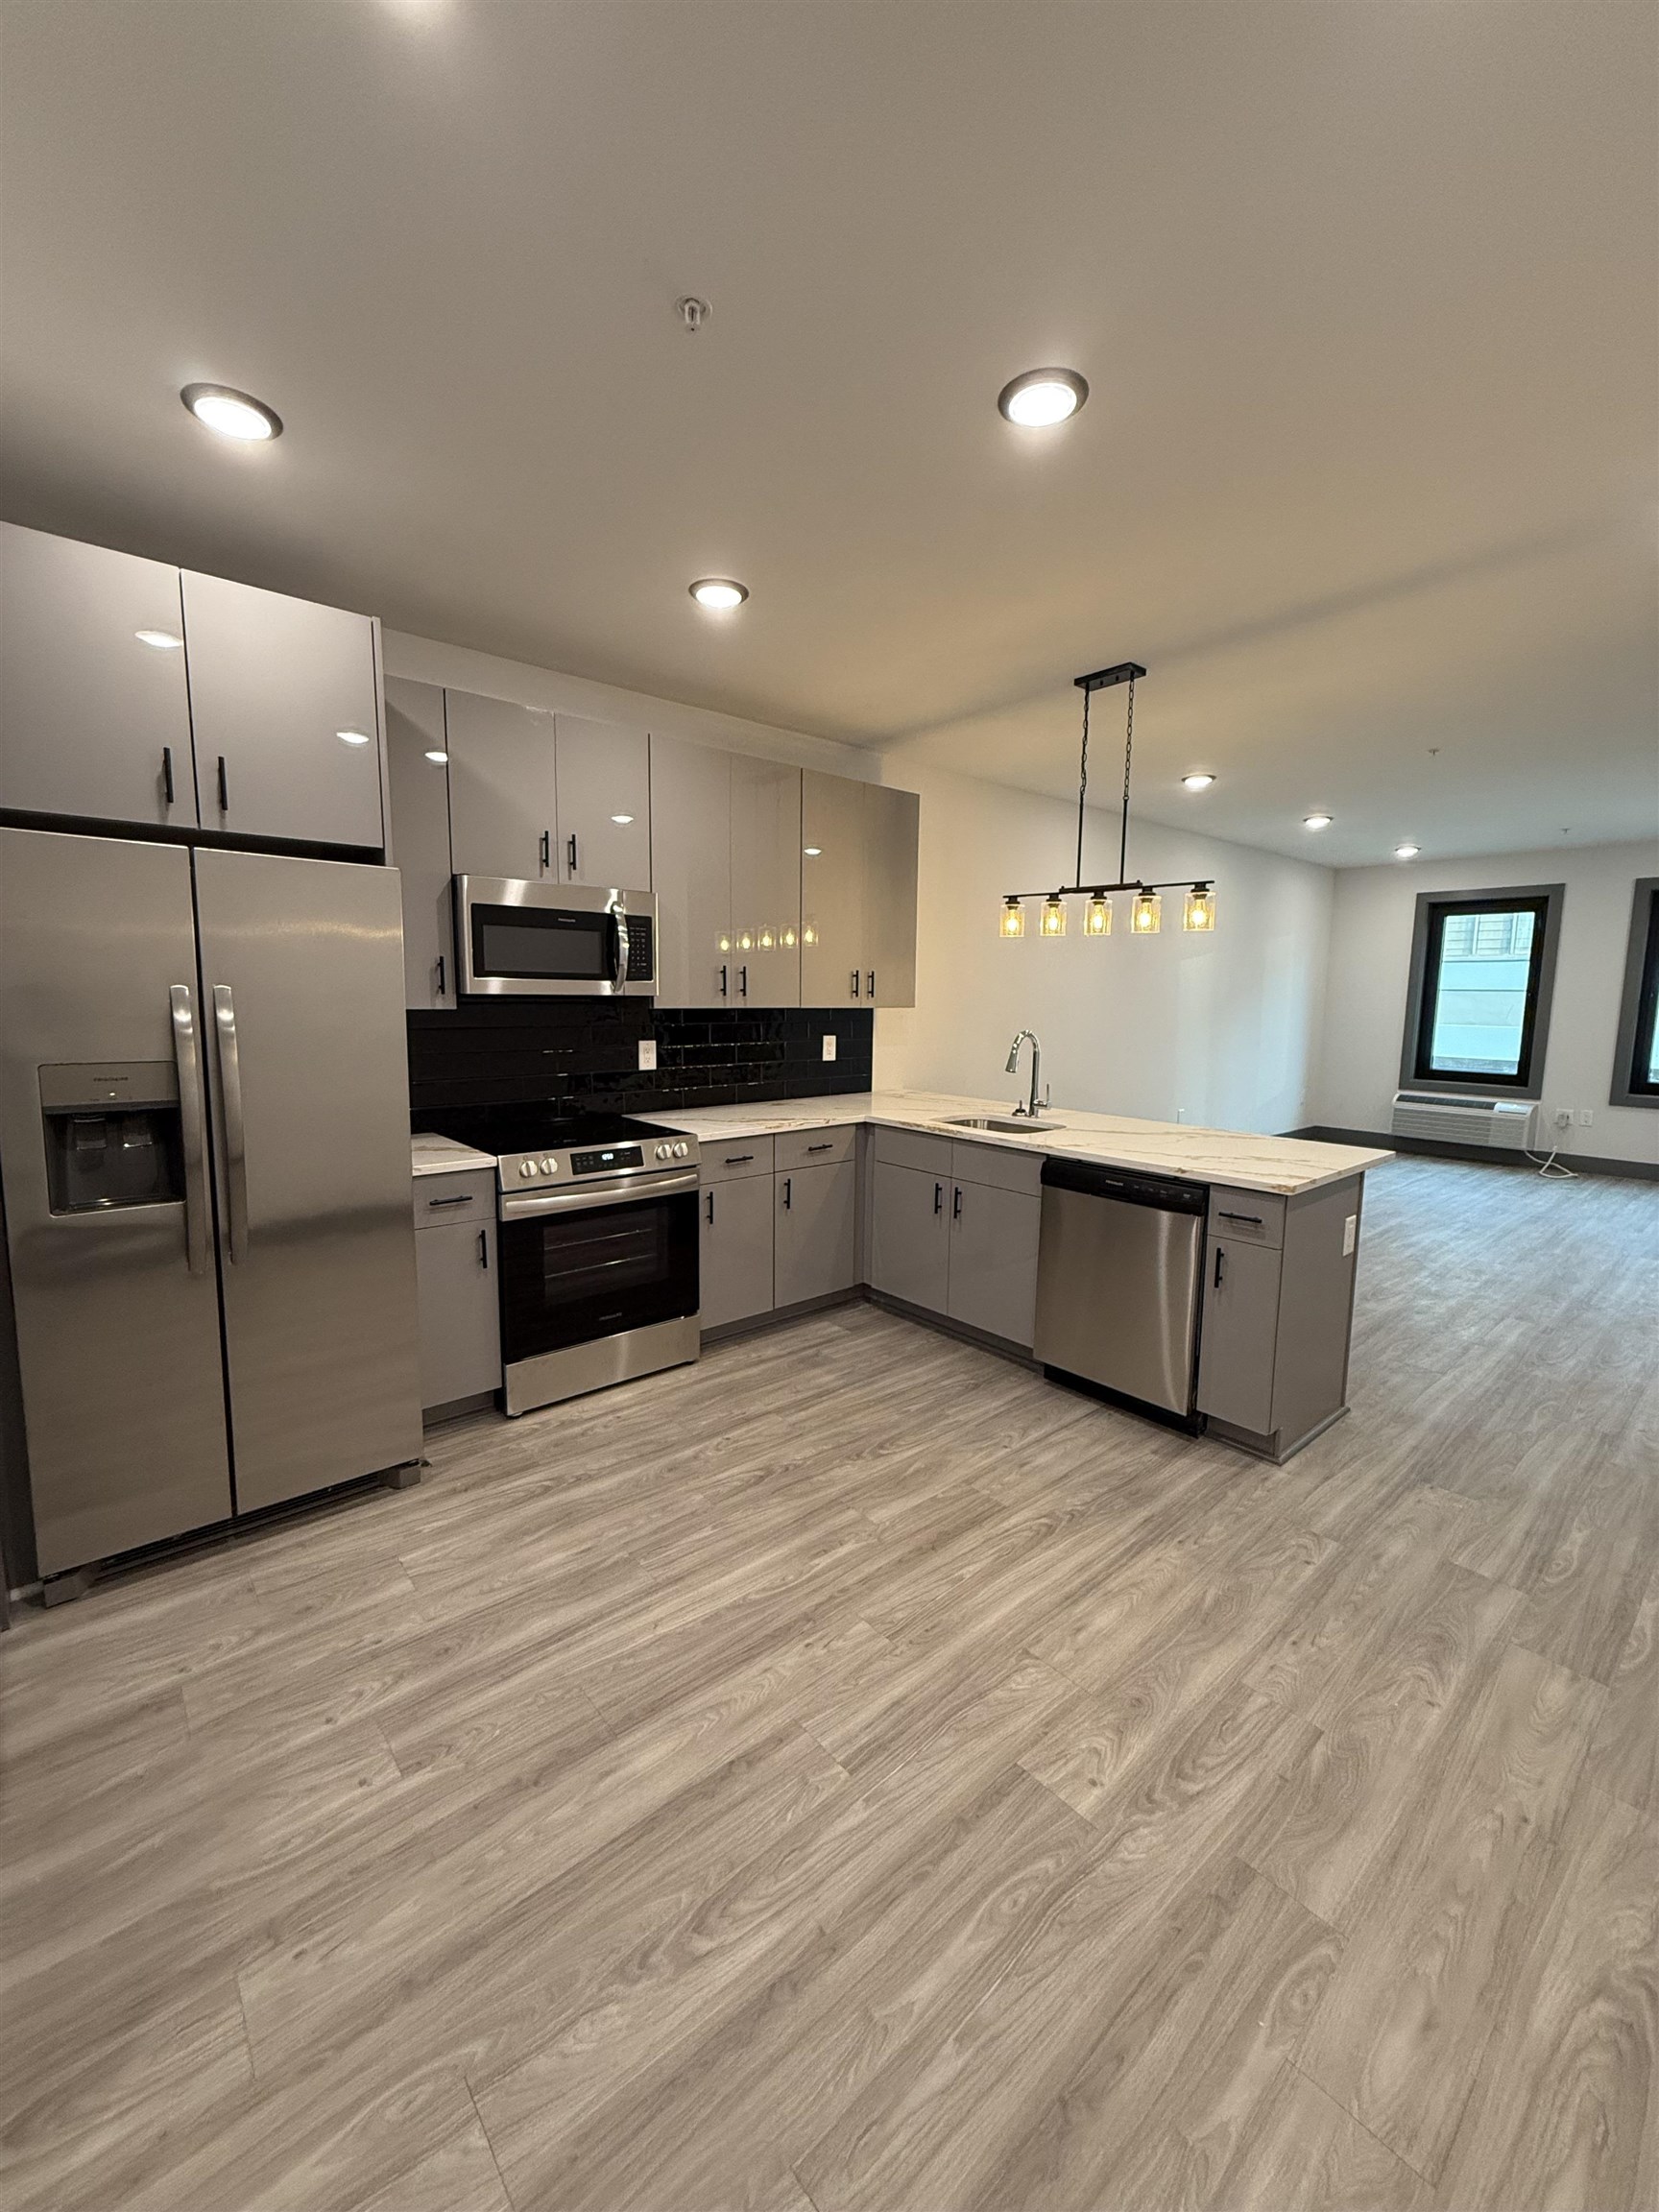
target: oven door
540 940
580 1264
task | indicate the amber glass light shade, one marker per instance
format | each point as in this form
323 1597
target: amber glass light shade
1146 916
1012 923
1053 922
1098 916
1199 912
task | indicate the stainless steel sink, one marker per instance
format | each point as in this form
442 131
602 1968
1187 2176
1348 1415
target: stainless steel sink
1010 1125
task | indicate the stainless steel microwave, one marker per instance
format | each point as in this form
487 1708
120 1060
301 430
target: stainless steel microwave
553 940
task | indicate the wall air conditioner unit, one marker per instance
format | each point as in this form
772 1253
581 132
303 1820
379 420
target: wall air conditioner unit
1498 1124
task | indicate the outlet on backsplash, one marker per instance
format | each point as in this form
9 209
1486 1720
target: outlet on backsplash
829 1048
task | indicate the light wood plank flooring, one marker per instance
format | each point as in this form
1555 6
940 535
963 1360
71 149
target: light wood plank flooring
852 1776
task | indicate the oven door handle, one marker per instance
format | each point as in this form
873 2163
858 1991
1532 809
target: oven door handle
522 1207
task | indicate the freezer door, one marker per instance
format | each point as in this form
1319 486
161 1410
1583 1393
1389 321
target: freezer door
302 963
1117 1295
102 1144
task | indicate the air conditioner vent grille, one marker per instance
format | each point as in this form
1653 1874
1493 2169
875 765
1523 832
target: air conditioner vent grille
1498 1124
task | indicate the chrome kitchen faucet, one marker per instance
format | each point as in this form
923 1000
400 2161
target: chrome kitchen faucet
1030 1111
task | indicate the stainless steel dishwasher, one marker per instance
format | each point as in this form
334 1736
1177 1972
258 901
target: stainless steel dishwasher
1119 1273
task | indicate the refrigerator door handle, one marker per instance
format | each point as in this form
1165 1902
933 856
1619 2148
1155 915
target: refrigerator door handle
235 1133
192 1119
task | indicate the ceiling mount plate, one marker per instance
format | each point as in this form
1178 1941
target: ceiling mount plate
1125 672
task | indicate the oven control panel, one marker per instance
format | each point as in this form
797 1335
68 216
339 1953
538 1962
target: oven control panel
610 1161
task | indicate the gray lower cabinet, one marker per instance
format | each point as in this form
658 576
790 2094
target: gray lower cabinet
418 800
455 1273
94 707
993 1282
910 1234
284 706
503 794
736 1256
816 1217
1240 1327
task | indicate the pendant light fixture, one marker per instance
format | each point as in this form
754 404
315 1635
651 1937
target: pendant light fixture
1147 910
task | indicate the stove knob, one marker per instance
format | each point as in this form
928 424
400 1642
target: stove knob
681 1150
526 1166
549 1166
664 1152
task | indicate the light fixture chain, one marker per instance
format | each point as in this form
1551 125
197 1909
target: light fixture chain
1082 789
1128 749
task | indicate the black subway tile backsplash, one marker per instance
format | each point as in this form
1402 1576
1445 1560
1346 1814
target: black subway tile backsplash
583 1057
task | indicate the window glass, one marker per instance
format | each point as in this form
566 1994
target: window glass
1481 986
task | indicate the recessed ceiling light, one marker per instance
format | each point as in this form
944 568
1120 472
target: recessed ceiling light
621 820
1043 397
352 737
163 640
233 414
438 759
1199 781
720 593
1407 851
1315 821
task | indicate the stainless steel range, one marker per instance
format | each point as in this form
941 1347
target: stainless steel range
598 1252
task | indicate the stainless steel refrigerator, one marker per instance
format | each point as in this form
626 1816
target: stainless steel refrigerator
204 1146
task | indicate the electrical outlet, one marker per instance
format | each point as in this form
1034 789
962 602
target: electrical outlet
1563 1116
1350 1233
829 1048
1586 1119
647 1054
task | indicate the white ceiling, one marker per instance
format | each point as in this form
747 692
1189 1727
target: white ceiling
1365 293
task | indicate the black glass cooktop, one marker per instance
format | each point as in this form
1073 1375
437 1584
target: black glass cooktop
534 1129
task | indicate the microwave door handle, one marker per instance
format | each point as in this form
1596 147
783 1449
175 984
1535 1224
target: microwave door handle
236 1130
621 977
192 1116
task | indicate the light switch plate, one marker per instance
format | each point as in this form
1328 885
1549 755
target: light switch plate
829 1048
647 1054
1350 1233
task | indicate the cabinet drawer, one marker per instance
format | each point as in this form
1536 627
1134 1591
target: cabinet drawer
816 1147
443 1200
912 1149
741 1156
997 1165
1246 1216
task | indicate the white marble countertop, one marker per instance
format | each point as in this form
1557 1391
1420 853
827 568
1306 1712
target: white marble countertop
444 1156
1286 1165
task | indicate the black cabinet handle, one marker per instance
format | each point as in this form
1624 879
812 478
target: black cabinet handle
820 1147
484 1250
956 1205
854 982
724 978
546 848
938 1197
572 848
167 772
465 1199
224 788
1254 1218
743 983
1220 1254
443 976
788 1199
871 993
739 1159
711 1209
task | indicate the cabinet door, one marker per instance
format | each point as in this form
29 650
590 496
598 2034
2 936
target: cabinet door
832 962
909 1236
460 1323
892 821
817 1232
604 804
736 1261
94 713
766 881
417 800
503 804
1240 1332
994 1260
691 872
284 708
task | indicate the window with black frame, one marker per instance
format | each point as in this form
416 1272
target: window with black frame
1636 1056
1482 964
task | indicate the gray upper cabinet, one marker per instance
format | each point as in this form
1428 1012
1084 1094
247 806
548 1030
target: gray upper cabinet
817 1232
94 707
765 881
691 872
418 796
604 789
284 707
892 828
503 794
833 946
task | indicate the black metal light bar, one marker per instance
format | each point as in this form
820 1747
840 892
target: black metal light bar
1102 680
1100 890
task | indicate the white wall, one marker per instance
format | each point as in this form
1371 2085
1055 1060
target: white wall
424 660
1213 1029
1358 1067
